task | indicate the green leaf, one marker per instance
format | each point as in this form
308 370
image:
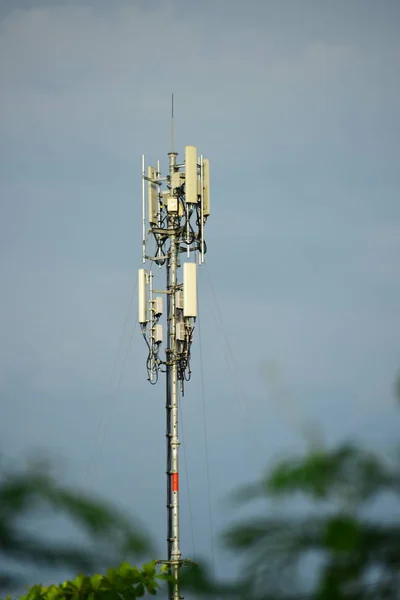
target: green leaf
342 534
150 568
165 577
35 592
112 575
53 592
152 587
124 569
80 581
139 590
96 581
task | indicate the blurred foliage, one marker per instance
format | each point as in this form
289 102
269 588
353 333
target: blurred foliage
360 557
35 492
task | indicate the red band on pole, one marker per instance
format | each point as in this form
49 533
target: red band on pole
175 482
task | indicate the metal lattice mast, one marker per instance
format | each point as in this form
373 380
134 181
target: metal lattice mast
174 553
178 208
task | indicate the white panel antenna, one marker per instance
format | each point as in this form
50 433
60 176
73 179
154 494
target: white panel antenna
142 296
152 195
179 299
206 187
189 289
158 333
191 174
158 306
180 331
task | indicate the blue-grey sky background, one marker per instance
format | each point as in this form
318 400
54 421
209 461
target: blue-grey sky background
297 106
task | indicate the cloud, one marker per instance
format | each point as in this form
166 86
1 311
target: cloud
90 78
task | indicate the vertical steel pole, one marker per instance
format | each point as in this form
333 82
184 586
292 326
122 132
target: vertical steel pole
174 553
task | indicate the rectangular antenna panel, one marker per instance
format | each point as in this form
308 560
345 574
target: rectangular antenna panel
158 306
179 299
172 204
180 331
152 195
206 187
189 289
178 179
142 296
191 174
158 333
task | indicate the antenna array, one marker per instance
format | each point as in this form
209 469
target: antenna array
175 210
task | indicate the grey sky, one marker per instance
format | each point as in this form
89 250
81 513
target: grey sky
297 106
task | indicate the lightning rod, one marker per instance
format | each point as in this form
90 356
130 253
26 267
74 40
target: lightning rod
175 208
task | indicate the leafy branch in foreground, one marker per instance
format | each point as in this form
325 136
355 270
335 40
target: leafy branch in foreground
124 583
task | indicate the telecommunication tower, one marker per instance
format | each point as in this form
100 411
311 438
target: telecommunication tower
175 210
